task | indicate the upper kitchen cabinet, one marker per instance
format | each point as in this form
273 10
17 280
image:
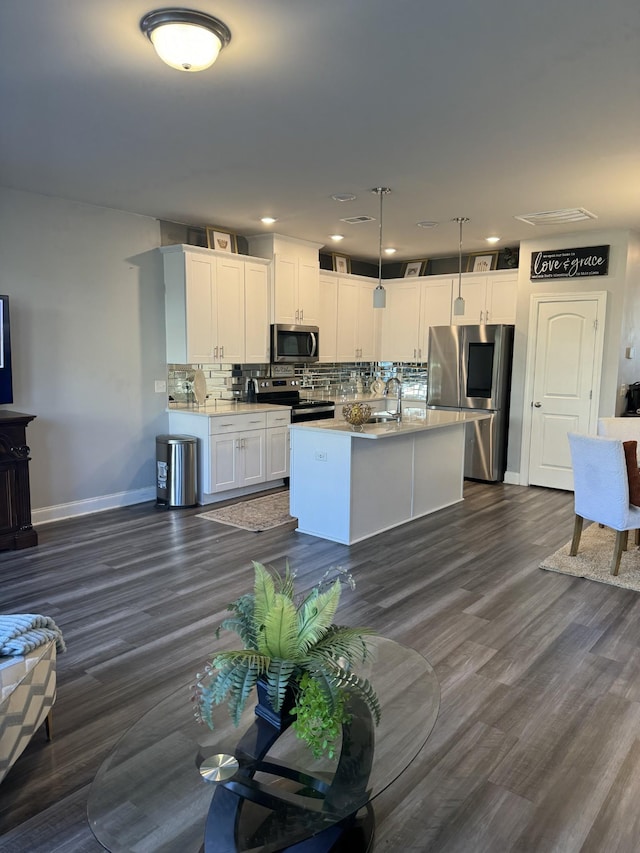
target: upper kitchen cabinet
489 298
216 306
412 307
296 277
328 317
355 338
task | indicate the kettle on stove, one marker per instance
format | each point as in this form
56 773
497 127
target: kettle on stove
633 398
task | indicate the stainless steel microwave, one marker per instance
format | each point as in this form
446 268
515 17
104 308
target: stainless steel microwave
294 344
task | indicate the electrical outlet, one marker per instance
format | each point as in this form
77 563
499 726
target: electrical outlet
161 386
320 456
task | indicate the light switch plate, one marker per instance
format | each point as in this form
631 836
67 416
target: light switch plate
161 386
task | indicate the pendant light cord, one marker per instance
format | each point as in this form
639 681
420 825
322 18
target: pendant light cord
460 220
380 192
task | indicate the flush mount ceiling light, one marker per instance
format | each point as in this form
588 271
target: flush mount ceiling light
337 237
390 250
343 197
184 38
427 223
268 220
492 239
379 293
458 304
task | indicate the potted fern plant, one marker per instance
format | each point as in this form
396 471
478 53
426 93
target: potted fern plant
301 663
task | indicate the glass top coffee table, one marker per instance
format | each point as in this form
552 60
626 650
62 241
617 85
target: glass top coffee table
149 795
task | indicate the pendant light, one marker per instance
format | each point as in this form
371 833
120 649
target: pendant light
380 294
184 38
458 304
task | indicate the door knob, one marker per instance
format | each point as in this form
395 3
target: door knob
538 405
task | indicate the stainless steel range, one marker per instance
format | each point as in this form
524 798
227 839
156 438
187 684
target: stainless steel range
286 392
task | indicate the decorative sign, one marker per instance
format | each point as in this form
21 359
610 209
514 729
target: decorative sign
570 263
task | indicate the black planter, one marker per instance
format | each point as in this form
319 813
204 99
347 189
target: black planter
281 719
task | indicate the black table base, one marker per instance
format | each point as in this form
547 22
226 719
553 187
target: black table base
333 815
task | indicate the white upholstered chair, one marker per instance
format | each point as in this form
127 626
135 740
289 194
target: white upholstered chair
601 490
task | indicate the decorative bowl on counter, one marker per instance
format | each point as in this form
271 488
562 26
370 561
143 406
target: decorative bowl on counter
356 414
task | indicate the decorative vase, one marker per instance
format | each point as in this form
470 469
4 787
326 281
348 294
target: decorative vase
281 719
356 414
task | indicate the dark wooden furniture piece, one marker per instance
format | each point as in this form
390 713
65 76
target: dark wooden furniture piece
15 498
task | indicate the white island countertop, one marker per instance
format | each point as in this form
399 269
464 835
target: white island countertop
429 419
345 490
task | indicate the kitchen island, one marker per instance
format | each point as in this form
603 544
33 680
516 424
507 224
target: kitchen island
348 485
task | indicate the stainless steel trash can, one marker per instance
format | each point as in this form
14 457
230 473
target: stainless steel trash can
176 470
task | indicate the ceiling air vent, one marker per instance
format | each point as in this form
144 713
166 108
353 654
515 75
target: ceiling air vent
356 220
556 217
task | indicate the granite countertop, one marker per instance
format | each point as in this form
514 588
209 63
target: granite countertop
223 407
410 423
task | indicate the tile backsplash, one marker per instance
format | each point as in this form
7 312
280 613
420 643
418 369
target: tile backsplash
229 381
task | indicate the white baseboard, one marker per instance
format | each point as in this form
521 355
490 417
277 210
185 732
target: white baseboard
512 478
75 508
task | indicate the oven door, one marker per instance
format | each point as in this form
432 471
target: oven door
294 344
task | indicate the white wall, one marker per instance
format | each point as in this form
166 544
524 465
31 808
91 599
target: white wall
619 300
88 341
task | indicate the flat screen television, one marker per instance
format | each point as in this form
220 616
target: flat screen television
6 384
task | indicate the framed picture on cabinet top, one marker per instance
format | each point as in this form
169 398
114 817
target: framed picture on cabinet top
341 263
482 261
222 241
414 268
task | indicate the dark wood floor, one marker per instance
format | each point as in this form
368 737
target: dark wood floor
536 747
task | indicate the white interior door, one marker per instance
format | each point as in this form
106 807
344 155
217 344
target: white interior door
566 382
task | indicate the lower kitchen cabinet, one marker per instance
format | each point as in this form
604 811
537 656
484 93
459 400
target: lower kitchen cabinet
237 460
238 452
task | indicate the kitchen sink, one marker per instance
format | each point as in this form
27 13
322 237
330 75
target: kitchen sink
383 418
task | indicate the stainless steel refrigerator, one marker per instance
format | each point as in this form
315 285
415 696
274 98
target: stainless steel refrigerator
470 370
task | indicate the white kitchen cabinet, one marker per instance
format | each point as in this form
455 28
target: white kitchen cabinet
296 277
355 335
216 306
237 460
412 307
237 452
277 438
328 317
488 298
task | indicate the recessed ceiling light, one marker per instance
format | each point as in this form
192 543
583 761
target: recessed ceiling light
337 237
427 223
492 239
268 220
390 251
343 197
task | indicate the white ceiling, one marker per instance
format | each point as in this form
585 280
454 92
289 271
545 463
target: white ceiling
463 108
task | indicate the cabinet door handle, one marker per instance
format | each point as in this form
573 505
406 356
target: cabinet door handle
237 444
302 313
297 314
221 352
215 352
255 422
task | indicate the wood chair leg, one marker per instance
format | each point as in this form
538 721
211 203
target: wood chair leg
637 536
577 533
621 541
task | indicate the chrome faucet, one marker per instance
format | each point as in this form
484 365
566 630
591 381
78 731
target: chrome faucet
399 392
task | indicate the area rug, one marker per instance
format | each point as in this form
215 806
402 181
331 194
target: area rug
593 560
256 515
